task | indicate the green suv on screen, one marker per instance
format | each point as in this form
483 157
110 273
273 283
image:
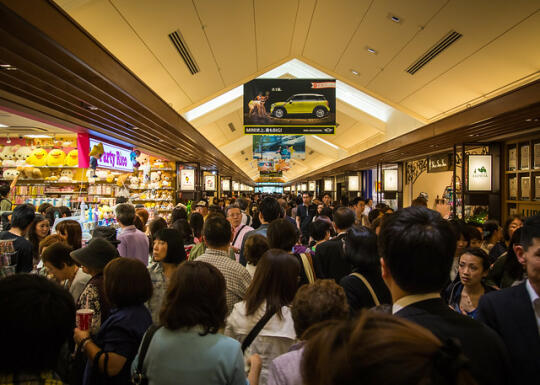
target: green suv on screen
315 104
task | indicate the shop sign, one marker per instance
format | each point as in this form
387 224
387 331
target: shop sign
114 157
328 184
236 186
226 185
390 180
304 186
479 173
311 186
209 183
439 163
353 183
187 179
290 106
287 188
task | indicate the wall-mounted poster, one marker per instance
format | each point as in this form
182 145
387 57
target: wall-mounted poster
479 173
225 185
524 157
525 187
311 186
287 188
328 185
279 147
235 186
537 187
209 183
536 155
512 159
187 180
512 188
290 106
390 180
353 183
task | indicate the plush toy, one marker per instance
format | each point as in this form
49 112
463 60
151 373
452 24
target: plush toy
121 180
53 177
144 161
56 158
155 176
133 182
134 155
66 175
95 154
37 158
72 158
8 156
11 173
109 177
22 154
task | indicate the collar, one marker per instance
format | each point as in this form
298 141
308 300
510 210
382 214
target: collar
410 299
532 294
215 252
129 228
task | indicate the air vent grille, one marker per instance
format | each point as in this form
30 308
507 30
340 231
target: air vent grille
450 38
181 46
231 126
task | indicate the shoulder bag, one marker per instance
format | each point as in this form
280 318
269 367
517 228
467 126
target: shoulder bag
368 285
256 330
139 377
308 267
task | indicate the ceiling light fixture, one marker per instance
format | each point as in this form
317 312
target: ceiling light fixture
395 19
38 136
371 50
3 125
355 73
325 141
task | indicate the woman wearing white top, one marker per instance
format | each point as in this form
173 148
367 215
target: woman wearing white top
272 290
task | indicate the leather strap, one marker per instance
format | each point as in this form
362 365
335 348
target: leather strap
307 268
368 285
237 234
256 330
139 376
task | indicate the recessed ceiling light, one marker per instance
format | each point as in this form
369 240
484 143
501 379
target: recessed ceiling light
355 73
528 120
5 65
40 136
10 68
395 19
3 125
371 50
161 140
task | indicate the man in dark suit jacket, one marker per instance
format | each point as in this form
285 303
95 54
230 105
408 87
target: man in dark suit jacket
417 248
330 261
514 313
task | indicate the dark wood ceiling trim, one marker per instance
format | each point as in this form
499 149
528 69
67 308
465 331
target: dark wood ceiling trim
62 64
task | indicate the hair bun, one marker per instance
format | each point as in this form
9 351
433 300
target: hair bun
448 361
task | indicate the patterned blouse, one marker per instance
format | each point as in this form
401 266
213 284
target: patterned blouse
93 295
159 283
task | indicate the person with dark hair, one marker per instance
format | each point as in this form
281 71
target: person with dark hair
474 236
71 232
507 271
464 294
21 220
364 286
514 313
243 203
217 236
93 259
52 214
419 201
143 214
168 253
196 221
329 260
111 351
5 203
269 210
37 320
42 209
58 262
417 247
133 242
319 232
462 236
255 247
138 223
272 290
121 200
512 223
64 211
376 225
358 204
234 216
320 301
374 214
178 212
38 230
49 240
379 349
154 226
182 226
304 216
492 235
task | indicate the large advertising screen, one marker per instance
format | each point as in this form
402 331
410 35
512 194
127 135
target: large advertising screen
290 106
279 147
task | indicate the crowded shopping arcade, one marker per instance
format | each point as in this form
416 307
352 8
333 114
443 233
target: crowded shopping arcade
255 192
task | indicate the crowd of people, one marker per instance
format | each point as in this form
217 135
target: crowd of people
272 289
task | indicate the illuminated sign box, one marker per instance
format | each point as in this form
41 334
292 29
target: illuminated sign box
328 185
114 157
226 184
390 180
353 183
187 180
479 173
210 183
311 186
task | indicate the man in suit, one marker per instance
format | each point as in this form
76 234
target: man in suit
269 209
330 261
417 248
304 216
514 312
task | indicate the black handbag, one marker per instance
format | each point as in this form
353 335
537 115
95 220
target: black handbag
139 377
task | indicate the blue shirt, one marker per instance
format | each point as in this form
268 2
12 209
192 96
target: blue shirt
185 357
121 333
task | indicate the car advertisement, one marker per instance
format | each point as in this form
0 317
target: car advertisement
279 147
290 106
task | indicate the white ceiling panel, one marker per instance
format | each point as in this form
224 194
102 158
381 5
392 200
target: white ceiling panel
332 26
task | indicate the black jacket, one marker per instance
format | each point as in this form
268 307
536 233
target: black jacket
359 296
330 261
509 312
489 363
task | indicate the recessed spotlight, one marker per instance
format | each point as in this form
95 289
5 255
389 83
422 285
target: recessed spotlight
3 125
5 65
371 50
395 19
528 120
161 140
10 68
355 73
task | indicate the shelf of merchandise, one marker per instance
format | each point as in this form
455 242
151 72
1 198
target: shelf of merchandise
161 169
150 189
29 165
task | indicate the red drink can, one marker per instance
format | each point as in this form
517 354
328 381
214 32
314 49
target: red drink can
84 318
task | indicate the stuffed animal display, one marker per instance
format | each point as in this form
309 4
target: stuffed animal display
38 157
72 158
56 158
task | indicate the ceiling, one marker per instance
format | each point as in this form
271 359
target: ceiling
20 125
233 42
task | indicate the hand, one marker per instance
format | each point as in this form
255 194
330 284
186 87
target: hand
79 335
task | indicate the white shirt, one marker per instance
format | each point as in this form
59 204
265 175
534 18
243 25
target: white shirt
535 302
410 299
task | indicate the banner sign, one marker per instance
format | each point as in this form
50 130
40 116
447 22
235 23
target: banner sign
279 147
226 185
479 173
439 163
353 184
290 106
390 180
114 157
209 183
187 180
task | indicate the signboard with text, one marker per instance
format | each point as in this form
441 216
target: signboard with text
114 157
479 173
187 180
290 106
390 180
209 183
